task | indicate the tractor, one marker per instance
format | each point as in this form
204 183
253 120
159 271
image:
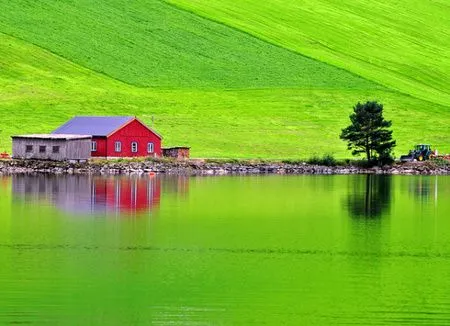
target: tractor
421 152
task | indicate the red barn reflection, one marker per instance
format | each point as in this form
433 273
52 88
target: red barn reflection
127 195
4 182
81 194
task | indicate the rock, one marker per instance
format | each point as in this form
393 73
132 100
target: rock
198 167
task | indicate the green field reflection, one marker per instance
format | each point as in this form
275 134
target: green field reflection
312 250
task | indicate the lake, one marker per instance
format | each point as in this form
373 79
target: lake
173 250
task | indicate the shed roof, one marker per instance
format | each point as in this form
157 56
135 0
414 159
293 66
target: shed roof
95 126
175 147
53 136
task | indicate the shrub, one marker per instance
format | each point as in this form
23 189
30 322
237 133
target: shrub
385 159
314 160
292 161
440 162
327 160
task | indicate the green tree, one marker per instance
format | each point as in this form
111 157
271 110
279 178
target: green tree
369 133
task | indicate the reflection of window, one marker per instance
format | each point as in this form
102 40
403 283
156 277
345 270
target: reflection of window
118 146
94 146
134 147
41 149
41 186
28 188
150 148
28 148
55 149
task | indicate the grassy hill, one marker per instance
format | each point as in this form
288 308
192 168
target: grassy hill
404 45
220 90
150 43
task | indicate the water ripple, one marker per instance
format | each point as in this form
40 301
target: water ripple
261 251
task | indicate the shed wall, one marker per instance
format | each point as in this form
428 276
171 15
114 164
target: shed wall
180 153
74 149
78 149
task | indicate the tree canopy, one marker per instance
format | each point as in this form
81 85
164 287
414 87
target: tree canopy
369 132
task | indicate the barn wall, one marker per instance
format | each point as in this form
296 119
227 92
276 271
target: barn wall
101 147
78 149
134 131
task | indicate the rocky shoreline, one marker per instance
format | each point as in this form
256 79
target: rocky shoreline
205 167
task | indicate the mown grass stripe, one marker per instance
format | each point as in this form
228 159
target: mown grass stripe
153 44
402 45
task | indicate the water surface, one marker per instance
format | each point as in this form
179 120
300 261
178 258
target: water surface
311 250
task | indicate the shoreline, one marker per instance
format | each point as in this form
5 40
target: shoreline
205 167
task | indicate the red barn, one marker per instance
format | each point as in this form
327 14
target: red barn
115 136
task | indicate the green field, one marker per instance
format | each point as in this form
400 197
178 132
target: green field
240 87
404 45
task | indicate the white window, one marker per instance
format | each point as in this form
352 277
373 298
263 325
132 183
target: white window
134 147
94 146
118 146
150 147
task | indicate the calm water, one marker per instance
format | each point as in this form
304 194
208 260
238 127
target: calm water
300 250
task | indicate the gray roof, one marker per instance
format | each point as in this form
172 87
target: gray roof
95 126
53 136
176 147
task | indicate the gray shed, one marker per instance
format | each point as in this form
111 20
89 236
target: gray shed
179 152
52 147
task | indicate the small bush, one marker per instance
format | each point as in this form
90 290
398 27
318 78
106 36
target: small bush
440 162
364 163
385 159
329 160
315 160
292 161
326 160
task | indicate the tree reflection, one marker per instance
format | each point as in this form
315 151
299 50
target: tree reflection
370 196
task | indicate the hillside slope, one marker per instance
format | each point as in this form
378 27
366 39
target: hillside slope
404 45
151 43
295 111
41 90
